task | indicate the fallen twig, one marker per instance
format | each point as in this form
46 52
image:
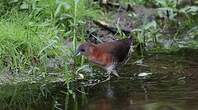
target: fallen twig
112 29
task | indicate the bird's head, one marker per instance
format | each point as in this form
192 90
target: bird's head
85 49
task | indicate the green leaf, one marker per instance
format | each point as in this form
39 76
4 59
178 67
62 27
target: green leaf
189 10
24 6
58 10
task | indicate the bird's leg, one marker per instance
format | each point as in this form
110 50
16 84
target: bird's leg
114 72
112 69
109 75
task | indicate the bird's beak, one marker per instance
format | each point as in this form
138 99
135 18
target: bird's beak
77 53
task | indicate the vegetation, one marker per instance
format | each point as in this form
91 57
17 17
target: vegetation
37 35
34 31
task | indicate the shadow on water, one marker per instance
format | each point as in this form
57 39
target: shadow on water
172 84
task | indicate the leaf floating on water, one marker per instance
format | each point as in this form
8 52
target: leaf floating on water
139 61
144 74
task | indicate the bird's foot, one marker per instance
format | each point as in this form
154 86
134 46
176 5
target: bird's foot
114 72
107 79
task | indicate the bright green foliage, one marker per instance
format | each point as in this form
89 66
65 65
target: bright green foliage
32 31
23 39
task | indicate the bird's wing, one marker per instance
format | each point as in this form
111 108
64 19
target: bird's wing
118 49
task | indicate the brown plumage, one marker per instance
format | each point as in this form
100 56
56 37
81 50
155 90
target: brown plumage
108 54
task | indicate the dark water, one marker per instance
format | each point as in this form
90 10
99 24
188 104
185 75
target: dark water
171 85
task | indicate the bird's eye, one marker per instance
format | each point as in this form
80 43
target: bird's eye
82 50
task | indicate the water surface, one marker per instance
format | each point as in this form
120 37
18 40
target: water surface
172 84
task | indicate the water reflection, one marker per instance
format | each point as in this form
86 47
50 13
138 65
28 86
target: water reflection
173 85
131 99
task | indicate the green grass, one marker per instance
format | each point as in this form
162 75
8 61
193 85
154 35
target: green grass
22 40
32 31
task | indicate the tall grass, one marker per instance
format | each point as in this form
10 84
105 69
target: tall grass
23 41
31 31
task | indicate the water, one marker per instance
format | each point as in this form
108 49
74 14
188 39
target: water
172 84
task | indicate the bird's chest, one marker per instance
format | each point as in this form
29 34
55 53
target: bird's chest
101 58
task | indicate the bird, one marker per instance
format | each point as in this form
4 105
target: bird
107 55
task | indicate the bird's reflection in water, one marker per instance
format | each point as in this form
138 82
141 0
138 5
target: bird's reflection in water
114 99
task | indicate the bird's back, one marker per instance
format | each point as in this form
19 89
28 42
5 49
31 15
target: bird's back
118 49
